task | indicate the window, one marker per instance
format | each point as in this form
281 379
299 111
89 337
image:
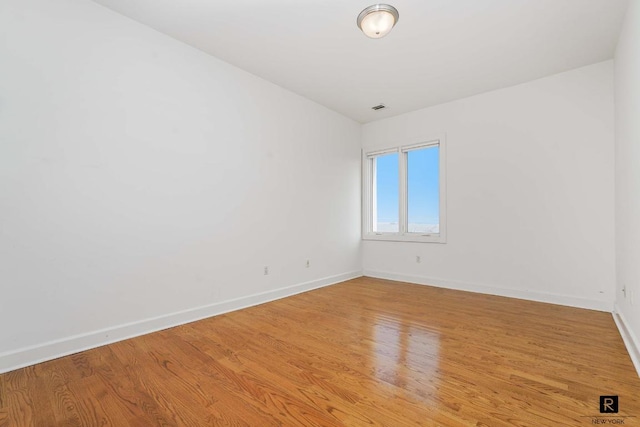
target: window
404 193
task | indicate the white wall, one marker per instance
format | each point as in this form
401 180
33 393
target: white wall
140 178
530 192
627 107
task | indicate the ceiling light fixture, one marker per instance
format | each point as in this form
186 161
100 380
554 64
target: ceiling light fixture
376 21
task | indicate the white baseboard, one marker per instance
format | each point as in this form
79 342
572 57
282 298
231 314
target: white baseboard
27 356
492 290
629 338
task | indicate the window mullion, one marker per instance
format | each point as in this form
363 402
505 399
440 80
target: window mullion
373 203
367 205
402 191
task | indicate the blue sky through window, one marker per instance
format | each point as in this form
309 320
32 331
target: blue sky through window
387 192
423 189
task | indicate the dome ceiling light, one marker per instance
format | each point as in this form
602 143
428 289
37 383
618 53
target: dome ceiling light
376 21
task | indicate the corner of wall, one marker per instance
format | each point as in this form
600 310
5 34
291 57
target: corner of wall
630 340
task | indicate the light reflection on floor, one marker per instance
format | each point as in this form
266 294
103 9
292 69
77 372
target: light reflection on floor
407 356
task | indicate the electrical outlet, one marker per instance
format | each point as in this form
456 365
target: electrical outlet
624 292
266 270
418 260
308 264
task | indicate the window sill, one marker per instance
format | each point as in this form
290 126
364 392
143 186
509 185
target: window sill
406 237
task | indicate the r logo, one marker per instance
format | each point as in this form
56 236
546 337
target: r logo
608 404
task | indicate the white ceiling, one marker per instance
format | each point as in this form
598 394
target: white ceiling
439 51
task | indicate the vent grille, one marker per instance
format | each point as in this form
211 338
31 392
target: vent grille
378 107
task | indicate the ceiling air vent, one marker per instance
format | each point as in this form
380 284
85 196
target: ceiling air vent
378 107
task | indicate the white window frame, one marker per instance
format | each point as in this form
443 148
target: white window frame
368 194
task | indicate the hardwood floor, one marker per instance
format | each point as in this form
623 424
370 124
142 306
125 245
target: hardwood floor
366 352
